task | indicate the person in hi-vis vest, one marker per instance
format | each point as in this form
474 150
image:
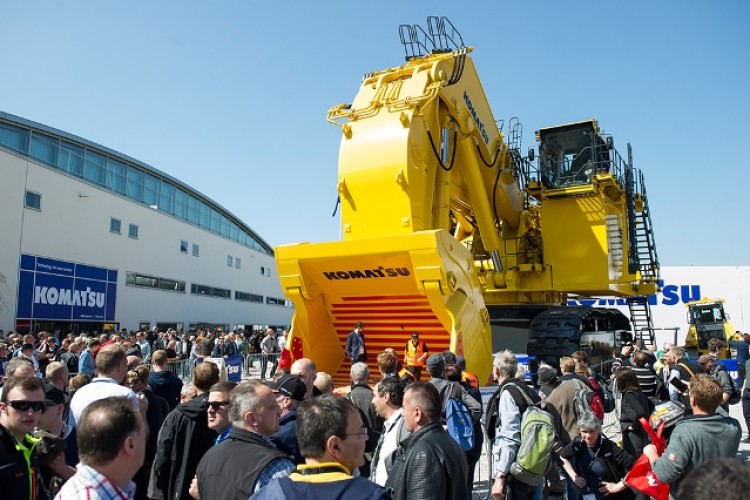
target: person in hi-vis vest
415 354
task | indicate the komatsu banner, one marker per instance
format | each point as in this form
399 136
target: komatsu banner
684 284
57 290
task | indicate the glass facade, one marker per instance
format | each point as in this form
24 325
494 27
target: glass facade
125 178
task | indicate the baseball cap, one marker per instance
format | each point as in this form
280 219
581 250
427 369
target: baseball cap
435 364
546 374
53 396
290 386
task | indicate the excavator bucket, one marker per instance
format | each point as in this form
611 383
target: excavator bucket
423 281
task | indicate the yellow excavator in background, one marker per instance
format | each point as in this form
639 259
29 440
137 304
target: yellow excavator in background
708 319
446 223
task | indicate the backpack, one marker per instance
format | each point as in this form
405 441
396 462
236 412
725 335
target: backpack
736 395
533 457
581 398
459 423
605 390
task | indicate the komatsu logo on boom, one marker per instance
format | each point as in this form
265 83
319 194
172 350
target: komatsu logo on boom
474 115
379 272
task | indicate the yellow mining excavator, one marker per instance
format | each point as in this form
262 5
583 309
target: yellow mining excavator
445 221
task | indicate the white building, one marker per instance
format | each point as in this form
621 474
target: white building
93 239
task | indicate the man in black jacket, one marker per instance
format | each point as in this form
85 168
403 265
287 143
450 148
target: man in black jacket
432 465
185 437
247 460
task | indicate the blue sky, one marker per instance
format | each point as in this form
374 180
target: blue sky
231 96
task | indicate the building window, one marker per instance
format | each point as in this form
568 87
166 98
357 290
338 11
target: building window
275 302
210 291
230 261
33 200
157 282
265 271
183 246
196 250
248 297
115 225
237 262
133 231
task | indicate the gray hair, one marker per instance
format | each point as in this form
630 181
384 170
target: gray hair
244 398
187 389
360 373
506 364
588 421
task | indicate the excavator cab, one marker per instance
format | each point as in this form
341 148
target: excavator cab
570 155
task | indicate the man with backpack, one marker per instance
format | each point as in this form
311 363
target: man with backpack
451 390
566 398
513 471
729 391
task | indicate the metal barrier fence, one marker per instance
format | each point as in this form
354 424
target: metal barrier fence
260 365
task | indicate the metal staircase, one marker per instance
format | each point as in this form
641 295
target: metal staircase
642 251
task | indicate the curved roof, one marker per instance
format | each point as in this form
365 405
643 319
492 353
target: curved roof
124 176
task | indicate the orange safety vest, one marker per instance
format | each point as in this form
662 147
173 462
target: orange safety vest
413 353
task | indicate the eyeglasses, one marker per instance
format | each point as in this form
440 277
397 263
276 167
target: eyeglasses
215 405
25 405
363 432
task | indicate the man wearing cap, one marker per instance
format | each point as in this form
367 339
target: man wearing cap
718 373
547 380
450 390
355 344
56 469
247 460
415 354
52 421
290 392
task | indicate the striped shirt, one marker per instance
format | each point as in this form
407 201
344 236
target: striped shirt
647 379
88 484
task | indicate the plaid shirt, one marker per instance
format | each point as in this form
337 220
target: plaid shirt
88 484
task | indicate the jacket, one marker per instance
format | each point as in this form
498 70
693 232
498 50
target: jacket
563 400
613 464
695 440
166 385
231 469
361 395
429 465
285 438
326 481
355 341
15 472
183 440
454 390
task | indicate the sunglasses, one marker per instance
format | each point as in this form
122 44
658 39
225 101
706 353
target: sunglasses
215 405
25 405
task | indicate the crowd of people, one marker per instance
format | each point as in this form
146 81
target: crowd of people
102 416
